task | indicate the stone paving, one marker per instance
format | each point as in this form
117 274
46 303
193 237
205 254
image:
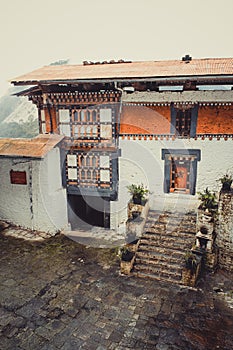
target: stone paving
58 294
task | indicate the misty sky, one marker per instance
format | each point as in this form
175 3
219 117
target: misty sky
35 33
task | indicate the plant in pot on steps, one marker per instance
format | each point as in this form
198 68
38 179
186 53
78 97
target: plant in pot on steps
226 181
126 254
139 193
208 201
190 261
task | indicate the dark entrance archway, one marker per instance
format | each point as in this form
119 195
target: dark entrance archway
87 211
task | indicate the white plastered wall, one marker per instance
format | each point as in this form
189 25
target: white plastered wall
141 162
41 203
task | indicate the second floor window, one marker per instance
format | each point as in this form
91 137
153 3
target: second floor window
87 123
183 122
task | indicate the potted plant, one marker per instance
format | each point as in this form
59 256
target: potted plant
135 214
126 254
138 192
226 181
190 261
208 200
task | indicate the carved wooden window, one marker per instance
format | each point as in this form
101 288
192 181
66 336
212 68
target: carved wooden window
105 123
42 121
89 169
183 122
104 169
64 122
87 123
105 115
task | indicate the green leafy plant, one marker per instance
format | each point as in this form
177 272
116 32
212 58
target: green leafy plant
126 254
208 200
190 261
226 181
138 192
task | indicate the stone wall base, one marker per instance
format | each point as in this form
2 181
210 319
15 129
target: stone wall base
225 260
189 277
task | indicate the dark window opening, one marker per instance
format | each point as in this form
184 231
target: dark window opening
183 122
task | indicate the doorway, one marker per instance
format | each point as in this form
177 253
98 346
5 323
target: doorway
87 211
179 175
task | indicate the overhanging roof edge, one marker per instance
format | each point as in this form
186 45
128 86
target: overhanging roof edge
113 79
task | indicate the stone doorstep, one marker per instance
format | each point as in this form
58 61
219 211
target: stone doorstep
99 237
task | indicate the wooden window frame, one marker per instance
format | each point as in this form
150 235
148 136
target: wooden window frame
190 114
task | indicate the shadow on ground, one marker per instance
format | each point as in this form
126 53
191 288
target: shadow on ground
58 294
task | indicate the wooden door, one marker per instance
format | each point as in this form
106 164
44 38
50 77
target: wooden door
181 175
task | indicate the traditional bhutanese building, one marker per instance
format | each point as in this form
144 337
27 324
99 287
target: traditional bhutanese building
166 124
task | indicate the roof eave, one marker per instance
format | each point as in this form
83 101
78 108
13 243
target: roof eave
220 77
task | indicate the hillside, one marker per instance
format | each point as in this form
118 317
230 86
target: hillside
18 116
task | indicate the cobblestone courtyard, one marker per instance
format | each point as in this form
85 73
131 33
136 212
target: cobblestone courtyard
57 294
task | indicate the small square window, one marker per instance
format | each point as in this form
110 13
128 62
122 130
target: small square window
104 161
72 174
105 175
71 160
64 115
106 131
65 129
105 115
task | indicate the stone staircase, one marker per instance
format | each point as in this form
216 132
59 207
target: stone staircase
167 237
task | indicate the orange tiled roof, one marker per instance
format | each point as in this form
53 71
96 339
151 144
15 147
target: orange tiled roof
29 148
171 68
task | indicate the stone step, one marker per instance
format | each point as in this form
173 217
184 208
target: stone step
155 225
163 248
156 278
154 246
169 218
177 254
177 257
163 263
159 270
168 275
163 245
174 233
171 224
157 237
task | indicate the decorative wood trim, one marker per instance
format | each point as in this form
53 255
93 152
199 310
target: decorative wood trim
156 137
78 98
